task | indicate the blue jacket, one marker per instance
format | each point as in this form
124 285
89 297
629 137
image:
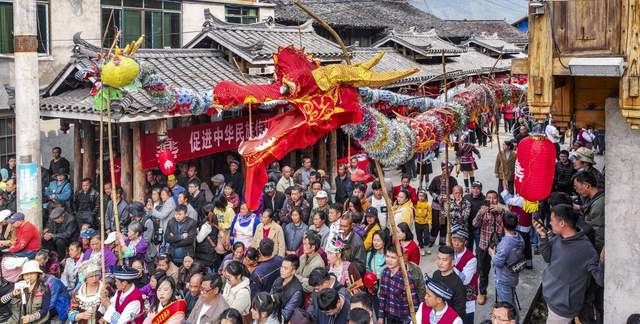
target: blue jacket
293 235
60 191
60 298
509 250
342 317
265 275
176 191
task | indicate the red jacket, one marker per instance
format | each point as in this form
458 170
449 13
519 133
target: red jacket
28 239
410 189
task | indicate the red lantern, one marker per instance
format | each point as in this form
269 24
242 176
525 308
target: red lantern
535 166
166 162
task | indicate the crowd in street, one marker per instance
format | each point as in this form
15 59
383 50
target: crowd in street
309 254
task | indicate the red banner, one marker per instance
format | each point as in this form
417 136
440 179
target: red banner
199 140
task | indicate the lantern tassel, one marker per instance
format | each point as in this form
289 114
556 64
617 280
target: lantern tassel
530 206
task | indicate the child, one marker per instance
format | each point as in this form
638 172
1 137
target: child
353 165
86 232
423 222
358 226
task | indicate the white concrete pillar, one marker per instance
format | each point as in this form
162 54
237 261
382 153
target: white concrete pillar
622 225
27 110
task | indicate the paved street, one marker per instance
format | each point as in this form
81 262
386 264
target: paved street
529 279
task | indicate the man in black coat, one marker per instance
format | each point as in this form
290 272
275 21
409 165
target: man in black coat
236 177
476 198
343 180
9 196
86 204
273 199
180 234
196 198
61 230
288 288
447 275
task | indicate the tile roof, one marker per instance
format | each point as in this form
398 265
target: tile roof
471 62
427 44
494 43
197 69
505 31
256 43
371 14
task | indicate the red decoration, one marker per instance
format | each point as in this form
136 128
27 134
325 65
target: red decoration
370 279
535 166
166 162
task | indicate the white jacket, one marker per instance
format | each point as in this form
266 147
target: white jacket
238 297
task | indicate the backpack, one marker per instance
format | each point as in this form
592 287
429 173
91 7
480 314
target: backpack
157 235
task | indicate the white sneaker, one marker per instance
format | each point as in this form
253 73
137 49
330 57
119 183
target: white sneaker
428 251
423 252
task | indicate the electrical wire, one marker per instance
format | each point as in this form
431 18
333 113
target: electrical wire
553 35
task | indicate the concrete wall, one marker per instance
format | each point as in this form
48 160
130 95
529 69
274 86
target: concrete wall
622 250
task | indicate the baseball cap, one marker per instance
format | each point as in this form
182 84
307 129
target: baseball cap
321 194
4 214
15 217
477 184
110 238
371 211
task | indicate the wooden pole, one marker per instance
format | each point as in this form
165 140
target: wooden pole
102 220
89 154
126 158
113 176
104 272
328 28
333 158
77 154
446 160
420 179
139 180
392 222
322 154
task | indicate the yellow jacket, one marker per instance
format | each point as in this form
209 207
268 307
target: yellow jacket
404 213
423 213
368 240
225 218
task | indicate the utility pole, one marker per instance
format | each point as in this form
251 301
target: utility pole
27 108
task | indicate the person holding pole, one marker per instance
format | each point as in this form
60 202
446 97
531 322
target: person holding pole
438 191
394 305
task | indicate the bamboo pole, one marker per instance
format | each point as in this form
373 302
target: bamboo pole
113 176
392 222
378 167
102 238
447 202
420 172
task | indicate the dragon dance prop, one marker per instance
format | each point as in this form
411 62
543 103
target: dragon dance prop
395 141
320 99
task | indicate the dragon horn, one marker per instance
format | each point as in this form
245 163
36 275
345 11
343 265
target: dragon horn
379 79
373 62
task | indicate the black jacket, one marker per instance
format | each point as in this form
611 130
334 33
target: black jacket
238 181
175 238
276 203
476 204
68 229
274 175
562 177
205 251
453 282
341 189
9 201
197 202
285 292
94 201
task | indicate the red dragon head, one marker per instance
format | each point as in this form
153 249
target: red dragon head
321 99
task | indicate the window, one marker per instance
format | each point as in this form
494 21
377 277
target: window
158 20
241 15
7 139
6 26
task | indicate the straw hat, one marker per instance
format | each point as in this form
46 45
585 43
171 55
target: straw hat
31 266
585 155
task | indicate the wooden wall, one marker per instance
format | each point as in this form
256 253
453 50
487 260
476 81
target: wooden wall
589 97
587 27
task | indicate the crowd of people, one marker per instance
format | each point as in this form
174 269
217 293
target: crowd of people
198 254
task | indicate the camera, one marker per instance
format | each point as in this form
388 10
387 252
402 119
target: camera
575 200
21 284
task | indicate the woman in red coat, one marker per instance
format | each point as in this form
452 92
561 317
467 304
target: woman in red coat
408 245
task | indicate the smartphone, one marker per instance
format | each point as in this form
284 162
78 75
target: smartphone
487 203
